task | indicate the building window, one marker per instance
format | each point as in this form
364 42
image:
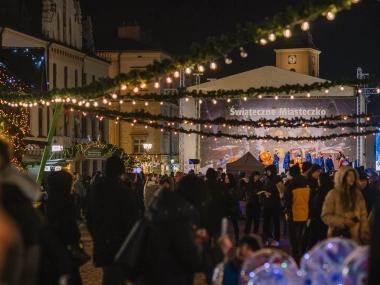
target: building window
84 79
93 78
65 76
138 145
54 75
76 78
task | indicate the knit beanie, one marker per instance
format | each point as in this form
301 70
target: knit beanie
294 170
314 168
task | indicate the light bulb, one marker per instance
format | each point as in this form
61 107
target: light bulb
377 90
87 104
35 104
330 16
68 99
96 104
176 74
124 87
308 94
291 96
228 100
243 53
275 97
188 70
287 32
214 101
187 99
260 96
200 101
272 37
360 91
327 91
245 98
143 85
105 101
109 103
114 96
80 103
121 102
341 88
156 85
201 68
134 102
305 26
136 89
161 103
74 100
213 65
146 103
227 60
47 103
263 42
355 1
169 80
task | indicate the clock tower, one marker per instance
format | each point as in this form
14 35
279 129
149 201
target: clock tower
299 54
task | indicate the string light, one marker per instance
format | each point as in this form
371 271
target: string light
124 87
201 68
169 80
305 26
136 89
213 65
143 85
188 70
272 37
287 32
243 53
96 104
227 59
114 96
330 16
176 74
156 85
263 42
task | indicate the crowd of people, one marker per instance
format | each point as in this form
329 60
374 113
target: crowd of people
184 214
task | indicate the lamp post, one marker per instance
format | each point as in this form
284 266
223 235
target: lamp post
147 147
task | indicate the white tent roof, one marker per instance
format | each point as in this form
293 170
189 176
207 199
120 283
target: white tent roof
269 76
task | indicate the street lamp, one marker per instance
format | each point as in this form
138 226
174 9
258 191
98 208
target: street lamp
147 147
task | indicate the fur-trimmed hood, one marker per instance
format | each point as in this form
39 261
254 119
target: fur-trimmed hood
338 179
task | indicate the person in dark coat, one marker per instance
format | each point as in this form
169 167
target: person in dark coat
312 178
369 194
234 212
273 187
61 215
253 206
329 164
317 228
173 252
112 214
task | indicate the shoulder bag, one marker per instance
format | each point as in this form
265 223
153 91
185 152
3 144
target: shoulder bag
131 254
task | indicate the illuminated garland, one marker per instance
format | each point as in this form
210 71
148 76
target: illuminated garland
296 122
109 149
175 129
29 100
278 26
15 128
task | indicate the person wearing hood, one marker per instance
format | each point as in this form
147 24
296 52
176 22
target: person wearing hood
344 207
173 250
273 191
19 191
297 200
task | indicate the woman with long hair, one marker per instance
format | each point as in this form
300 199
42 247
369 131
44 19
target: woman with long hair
344 208
234 212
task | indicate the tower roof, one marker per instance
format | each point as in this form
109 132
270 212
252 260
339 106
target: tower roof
299 39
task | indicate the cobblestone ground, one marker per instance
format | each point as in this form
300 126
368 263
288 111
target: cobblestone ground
93 276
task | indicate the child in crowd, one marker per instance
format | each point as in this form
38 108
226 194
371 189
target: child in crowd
248 245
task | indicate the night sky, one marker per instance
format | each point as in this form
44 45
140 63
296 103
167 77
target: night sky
350 41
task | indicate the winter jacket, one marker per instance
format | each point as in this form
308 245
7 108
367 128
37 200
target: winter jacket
171 255
297 199
251 191
317 202
112 212
274 199
220 201
334 215
369 196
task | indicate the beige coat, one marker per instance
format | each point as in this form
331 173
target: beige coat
333 214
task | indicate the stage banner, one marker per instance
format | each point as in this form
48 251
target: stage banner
219 152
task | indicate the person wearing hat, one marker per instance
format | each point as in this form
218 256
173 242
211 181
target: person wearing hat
230 274
306 168
329 164
297 199
312 178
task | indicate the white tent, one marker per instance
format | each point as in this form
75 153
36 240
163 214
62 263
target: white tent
269 76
